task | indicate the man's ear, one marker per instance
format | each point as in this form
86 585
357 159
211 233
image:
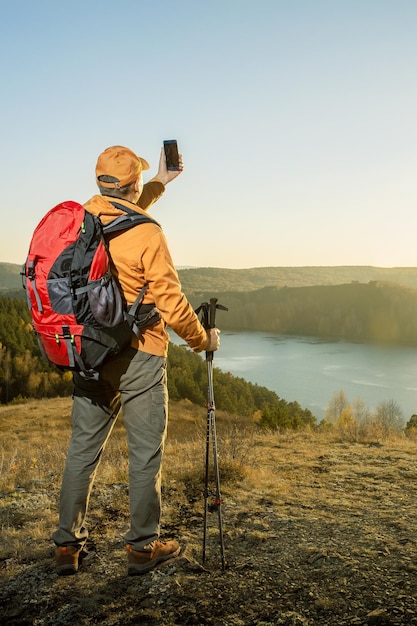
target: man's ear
139 183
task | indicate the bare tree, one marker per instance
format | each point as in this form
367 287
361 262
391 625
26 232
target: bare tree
360 411
389 418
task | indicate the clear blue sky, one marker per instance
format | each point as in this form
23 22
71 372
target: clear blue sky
296 120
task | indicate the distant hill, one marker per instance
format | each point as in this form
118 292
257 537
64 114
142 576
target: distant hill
10 276
222 279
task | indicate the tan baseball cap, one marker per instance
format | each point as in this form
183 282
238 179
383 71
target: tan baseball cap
121 164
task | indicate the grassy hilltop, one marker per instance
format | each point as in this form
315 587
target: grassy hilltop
319 528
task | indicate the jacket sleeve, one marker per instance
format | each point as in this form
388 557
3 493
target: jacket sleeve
152 191
166 292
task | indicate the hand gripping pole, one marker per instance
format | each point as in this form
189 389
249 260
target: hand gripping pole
208 320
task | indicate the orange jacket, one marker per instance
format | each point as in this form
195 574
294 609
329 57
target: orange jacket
141 255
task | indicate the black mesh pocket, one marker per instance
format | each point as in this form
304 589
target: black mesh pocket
106 303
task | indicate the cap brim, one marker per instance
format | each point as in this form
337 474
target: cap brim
145 164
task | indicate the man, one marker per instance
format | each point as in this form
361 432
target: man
135 380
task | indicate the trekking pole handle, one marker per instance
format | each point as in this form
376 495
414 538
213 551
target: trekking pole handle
208 317
212 313
208 313
213 306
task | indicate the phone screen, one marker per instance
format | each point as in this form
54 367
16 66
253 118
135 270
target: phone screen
171 154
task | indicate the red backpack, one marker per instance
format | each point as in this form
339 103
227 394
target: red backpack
78 311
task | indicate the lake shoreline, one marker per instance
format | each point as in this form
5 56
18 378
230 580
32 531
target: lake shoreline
310 370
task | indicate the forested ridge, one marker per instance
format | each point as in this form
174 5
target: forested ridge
373 312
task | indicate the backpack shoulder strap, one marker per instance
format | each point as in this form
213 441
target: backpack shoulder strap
124 222
122 207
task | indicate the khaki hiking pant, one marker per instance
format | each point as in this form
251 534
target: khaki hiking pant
136 382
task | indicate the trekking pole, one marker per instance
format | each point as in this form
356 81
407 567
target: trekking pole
208 311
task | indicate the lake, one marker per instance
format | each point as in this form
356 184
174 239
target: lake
310 370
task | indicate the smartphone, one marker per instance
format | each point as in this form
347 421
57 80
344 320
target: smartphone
171 154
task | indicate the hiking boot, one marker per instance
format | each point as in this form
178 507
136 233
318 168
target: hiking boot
141 561
66 558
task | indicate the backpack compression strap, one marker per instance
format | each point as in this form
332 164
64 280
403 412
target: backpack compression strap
149 316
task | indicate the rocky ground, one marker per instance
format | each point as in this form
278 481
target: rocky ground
316 532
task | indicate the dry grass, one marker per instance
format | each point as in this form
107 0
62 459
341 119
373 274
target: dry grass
318 530
34 440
